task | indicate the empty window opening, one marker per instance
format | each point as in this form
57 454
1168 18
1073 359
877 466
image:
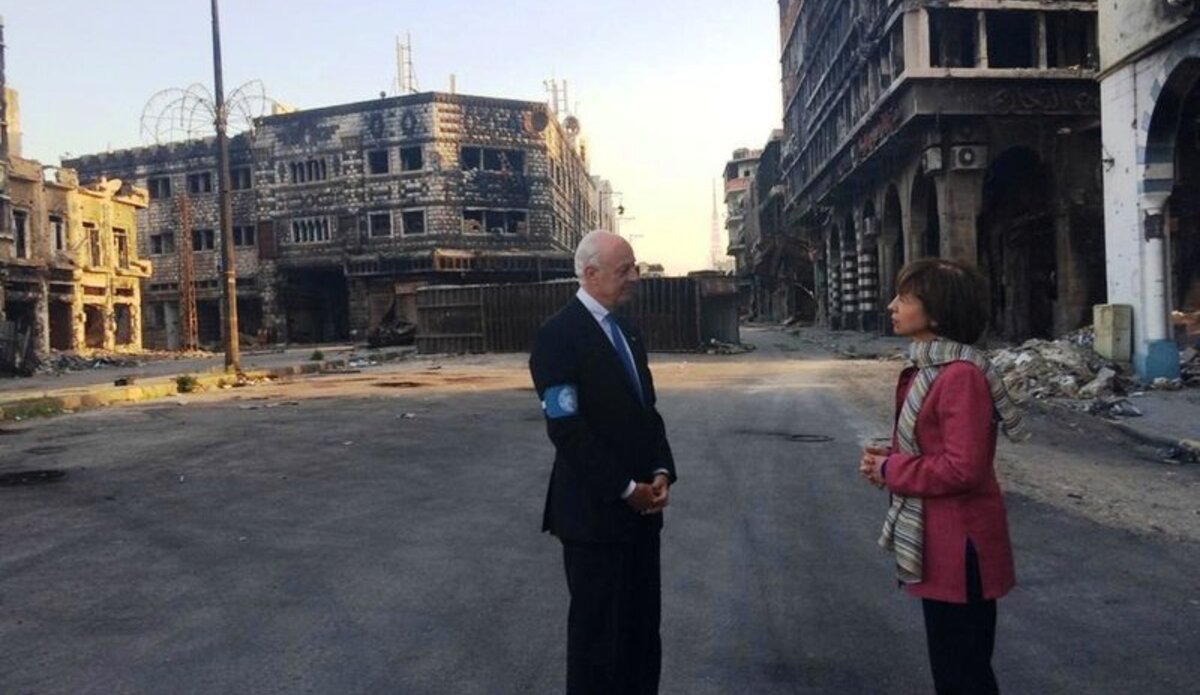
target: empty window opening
20 220
472 158
516 222
496 222
1071 40
59 230
1012 39
93 326
200 183
243 235
310 230
123 314
473 221
203 240
953 38
159 187
61 329
411 159
379 224
308 170
121 241
377 162
414 222
95 248
240 179
162 243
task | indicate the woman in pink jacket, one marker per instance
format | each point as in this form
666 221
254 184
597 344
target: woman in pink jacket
947 524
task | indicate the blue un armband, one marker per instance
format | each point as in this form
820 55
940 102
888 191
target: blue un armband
561 401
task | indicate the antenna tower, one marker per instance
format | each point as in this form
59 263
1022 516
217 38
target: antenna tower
406 74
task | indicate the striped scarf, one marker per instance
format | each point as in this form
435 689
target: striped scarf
904 528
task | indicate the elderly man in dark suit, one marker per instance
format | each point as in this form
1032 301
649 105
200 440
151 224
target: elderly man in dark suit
612 474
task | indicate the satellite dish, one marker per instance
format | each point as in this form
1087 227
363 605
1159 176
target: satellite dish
540 121
571 124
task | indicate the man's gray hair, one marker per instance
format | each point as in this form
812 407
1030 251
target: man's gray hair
588 251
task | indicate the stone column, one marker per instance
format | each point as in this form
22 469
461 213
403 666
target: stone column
961 202
868 274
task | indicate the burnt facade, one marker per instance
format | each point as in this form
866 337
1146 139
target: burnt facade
342 213
966 130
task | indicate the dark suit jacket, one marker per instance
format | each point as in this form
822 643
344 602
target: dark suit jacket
613 438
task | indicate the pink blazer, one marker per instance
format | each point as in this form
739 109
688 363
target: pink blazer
955 475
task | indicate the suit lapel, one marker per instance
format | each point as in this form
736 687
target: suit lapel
599 342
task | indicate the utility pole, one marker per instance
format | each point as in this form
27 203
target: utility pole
232 353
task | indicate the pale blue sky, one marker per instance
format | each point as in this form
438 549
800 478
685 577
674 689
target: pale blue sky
666 89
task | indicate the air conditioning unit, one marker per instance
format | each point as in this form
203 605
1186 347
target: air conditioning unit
931 160
968 157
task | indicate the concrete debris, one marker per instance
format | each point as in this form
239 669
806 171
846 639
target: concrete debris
1162 383
1189 367
62 363
1064 368
1113 407
717 347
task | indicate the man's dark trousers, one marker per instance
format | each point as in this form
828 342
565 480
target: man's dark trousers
613 643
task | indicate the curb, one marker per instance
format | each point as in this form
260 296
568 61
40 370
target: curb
1155 440
161 387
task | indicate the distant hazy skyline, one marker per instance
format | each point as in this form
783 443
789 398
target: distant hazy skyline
665 90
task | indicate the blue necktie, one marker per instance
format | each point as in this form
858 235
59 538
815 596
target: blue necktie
623 352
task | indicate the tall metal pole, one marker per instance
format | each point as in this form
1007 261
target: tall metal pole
232 353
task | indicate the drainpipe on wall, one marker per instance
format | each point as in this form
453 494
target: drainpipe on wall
1160 356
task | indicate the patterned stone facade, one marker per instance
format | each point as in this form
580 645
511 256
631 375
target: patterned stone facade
341 213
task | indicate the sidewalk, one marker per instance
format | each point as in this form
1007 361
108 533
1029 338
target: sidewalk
1169 421
50 394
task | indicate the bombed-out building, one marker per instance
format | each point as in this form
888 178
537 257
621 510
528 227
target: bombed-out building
341 213
1150 81
966 130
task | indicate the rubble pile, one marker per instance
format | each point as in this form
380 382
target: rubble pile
1064 368
61 363
1189 366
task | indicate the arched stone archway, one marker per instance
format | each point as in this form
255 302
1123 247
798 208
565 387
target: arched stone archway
926 222
1018 245
868 268
891 243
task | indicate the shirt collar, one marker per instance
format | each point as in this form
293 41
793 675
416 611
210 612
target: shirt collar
594 307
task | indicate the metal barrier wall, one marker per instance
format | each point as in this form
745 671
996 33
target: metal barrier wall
674 314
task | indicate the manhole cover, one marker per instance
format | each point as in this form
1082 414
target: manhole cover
31 477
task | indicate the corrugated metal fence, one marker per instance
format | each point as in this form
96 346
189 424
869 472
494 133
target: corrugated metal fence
674 314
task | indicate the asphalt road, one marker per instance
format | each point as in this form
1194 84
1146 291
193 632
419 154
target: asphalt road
378 533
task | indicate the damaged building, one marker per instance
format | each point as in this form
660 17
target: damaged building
1151 88
70 268
341 213
965 130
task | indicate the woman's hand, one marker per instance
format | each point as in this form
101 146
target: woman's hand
870 466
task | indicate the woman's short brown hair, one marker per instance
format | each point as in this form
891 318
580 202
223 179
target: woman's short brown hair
954 296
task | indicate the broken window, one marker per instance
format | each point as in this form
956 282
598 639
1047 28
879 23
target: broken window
20 220
239 179
243 235
377 162
59 230
472 158
496 221
953 38
379 224
95 249
473 221
1071 40
1012 39
199 183
162 243
411 159
310 230
203 240
517 222
121 241
159 187
414 222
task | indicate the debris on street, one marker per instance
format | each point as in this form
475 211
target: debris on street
717 347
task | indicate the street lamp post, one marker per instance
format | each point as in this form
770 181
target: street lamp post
232 352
